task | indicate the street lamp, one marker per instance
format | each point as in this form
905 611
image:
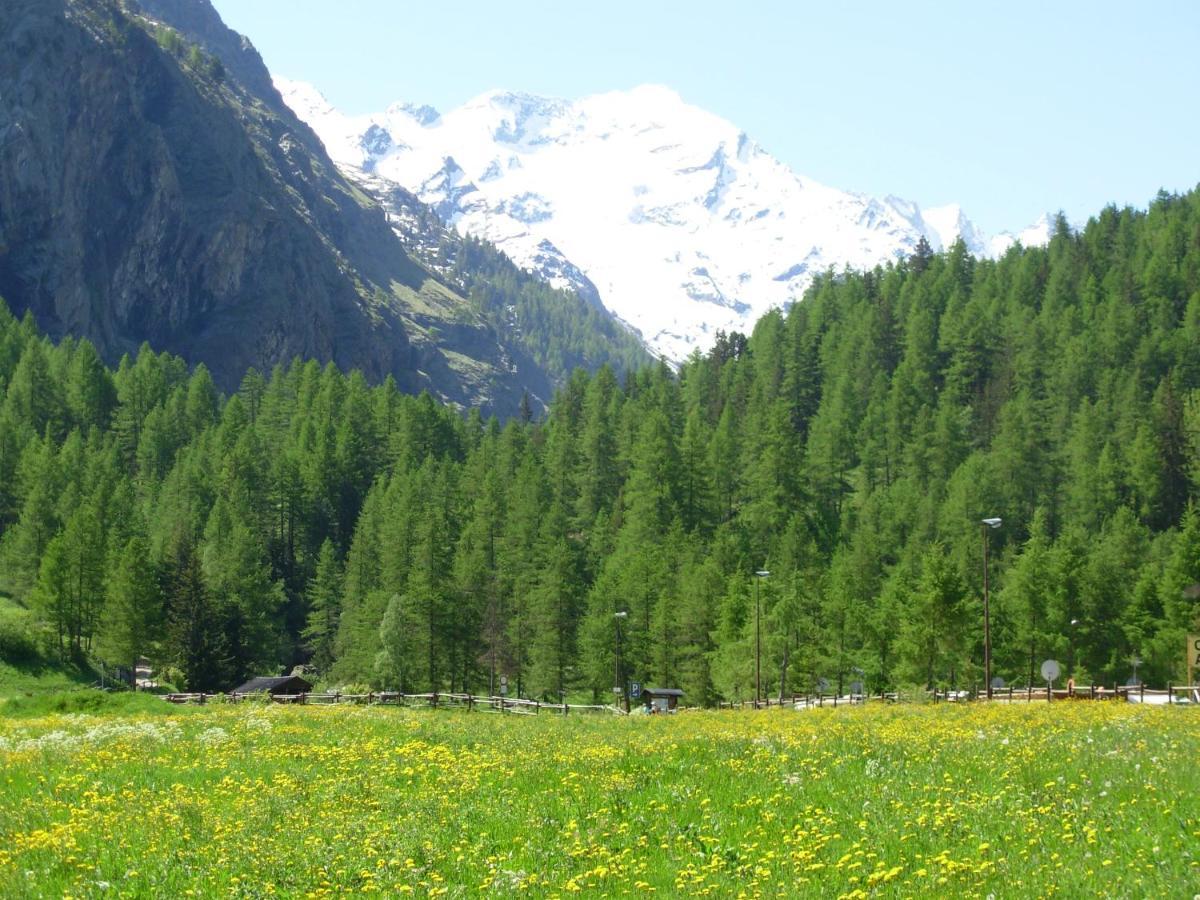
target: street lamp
758 576
617 617
1071 649
987 622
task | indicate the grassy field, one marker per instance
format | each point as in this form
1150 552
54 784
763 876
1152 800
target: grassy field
1066 799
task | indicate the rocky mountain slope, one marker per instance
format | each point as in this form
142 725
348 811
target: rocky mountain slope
154 187
674 218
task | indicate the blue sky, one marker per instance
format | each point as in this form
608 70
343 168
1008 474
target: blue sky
1007 108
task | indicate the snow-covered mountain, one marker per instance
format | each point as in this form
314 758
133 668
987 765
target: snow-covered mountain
676 220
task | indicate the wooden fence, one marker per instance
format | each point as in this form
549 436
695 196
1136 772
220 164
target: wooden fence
1173 694
470 702
804 701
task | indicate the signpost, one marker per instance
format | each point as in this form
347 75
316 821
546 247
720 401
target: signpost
503 685
1193 655
1134 661
1050 671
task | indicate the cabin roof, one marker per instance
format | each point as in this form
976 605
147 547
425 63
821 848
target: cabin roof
273 684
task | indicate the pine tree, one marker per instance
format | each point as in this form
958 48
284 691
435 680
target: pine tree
1022 606
196 640
132 622
70 587
932 632
324 606
401 663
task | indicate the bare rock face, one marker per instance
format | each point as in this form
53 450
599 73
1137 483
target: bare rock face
154 187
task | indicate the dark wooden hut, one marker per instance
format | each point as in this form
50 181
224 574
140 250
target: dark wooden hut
282 684
661 700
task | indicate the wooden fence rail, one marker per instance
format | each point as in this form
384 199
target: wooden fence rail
469 702
1174 694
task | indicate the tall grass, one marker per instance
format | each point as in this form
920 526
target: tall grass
1073 799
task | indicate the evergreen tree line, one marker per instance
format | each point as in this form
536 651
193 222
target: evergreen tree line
850 446
560 330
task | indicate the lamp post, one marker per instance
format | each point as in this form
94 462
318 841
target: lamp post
1071 649
618 616
758 576
987 622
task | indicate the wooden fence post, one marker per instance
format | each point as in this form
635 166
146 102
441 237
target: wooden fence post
1170 693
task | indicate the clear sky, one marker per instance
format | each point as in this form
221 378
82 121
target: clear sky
1009 108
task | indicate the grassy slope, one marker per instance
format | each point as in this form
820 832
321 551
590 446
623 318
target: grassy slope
34 676
1082 799
41 679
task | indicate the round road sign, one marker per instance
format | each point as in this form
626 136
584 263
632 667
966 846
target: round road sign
1051 669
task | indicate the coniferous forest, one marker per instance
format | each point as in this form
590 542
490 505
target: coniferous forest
850 445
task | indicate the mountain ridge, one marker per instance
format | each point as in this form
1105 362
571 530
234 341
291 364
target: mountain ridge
154 187
698 230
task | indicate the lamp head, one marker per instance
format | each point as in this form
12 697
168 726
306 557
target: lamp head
762 573
992 523
623 614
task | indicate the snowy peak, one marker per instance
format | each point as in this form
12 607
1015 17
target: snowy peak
422 114
948 224
305 100
678 220
1036 235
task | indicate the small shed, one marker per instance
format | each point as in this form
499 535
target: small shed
283 684
661 700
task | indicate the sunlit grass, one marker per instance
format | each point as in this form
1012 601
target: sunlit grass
1072 799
